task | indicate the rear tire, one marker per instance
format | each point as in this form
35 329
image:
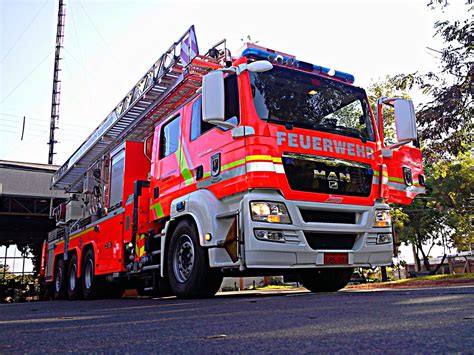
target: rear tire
92 284
189 273
325 280
73 281
59 284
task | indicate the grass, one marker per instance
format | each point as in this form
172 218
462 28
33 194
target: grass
396 282
438 278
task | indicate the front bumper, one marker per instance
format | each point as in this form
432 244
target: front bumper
296 252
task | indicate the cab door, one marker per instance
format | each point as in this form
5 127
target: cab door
165 180
402 174
215 158
406 177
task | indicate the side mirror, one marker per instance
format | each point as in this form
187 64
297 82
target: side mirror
213 99
405 120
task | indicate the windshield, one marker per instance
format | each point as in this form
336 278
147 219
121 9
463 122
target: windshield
297 99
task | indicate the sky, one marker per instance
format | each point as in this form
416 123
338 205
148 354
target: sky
110 44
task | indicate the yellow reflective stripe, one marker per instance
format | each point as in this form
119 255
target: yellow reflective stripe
392 178
232 165
258 157
254 166
73 236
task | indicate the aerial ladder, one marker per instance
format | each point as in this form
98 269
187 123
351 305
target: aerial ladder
171 80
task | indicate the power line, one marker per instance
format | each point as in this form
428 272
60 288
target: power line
43 122
12 115
8 114
77 61
8 126
29 74
7 120
93 25
24 31
7 131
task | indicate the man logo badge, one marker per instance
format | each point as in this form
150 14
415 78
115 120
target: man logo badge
333 184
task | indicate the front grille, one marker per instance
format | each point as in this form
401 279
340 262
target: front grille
332 176
335 241
328 217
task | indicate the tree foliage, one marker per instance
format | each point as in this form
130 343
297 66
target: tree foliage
443 216
446 120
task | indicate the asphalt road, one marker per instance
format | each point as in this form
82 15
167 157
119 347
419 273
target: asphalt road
389 321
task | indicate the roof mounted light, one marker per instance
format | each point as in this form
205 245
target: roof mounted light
280 59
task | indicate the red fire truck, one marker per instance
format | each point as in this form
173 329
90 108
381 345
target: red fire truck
217 165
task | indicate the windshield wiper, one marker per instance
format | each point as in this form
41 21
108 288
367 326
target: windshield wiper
288 125
351 132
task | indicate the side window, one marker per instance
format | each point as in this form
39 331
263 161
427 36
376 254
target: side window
116 178
169 138
198 126
232 111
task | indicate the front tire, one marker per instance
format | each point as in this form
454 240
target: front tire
73 282
325 280
91 284
189 273
59 284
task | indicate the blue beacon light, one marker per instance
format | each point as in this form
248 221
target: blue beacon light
280 59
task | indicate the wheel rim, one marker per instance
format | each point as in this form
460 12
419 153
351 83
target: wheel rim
183 258
72 277
88 274
59 279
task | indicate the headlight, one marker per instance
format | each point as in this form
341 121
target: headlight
382 219
272 212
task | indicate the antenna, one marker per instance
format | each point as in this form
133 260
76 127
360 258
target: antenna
56 81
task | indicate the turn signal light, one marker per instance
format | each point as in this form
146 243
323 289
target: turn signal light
382 219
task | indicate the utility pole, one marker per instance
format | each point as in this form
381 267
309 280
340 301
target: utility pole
56 81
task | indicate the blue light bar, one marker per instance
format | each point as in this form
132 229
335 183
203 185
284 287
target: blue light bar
298 64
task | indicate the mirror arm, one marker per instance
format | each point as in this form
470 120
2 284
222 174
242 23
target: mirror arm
387 152
379 116
398 144
223 124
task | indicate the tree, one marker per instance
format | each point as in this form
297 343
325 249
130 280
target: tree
446 120
452 194
443 216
